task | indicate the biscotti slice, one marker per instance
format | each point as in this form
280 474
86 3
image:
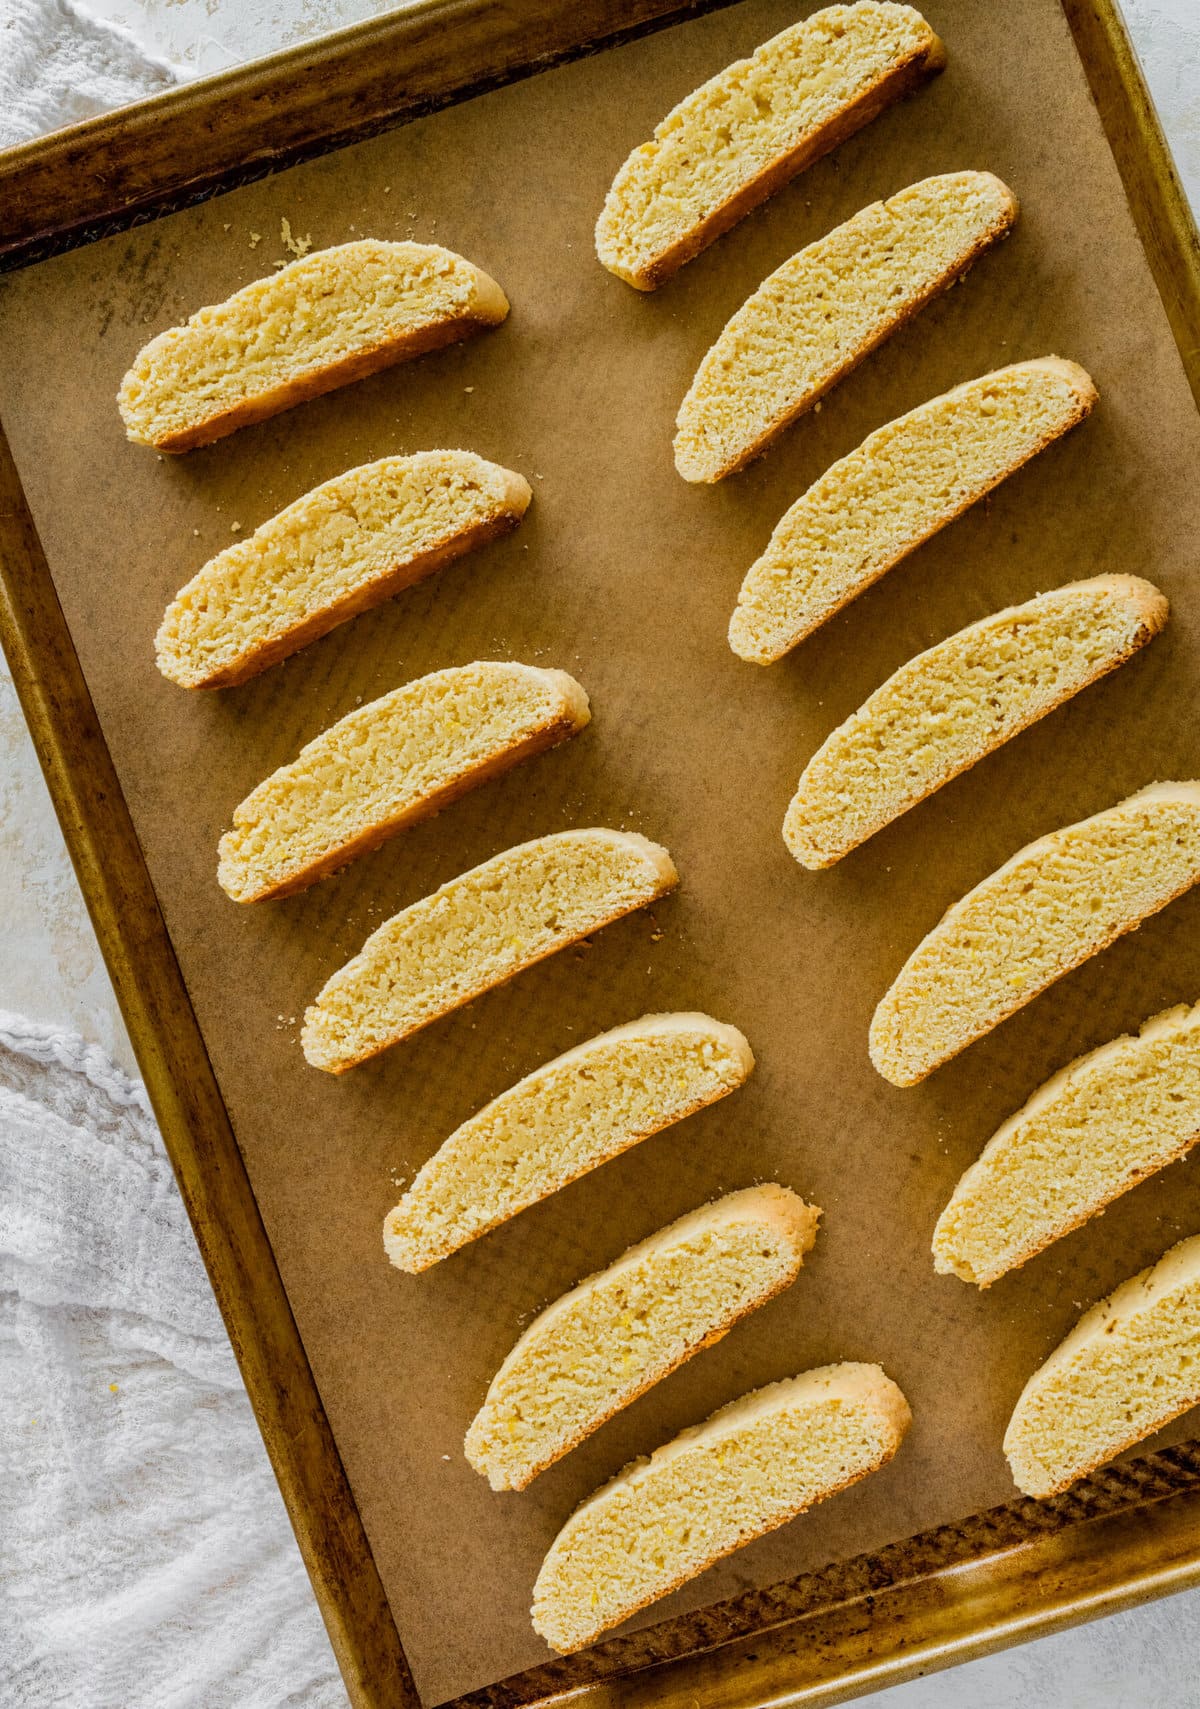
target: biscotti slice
731 143
346 546
1129 1366
948 707
477 931
389 764
599 1347
756 1464
1094 1130
902 484
567 1117
1058 901
816 317
331 317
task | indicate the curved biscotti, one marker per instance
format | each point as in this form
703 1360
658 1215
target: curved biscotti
331 317
900 486
388 764
948 707
731 143
567 1117
476 932
1129 1366
1054 904
753 1466
617 1334
817 317
346 546
1094 1130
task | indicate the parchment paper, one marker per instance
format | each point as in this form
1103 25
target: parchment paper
625 576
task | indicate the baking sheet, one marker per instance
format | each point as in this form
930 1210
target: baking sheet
624 575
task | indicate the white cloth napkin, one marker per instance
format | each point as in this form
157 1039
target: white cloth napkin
146 1561
60 63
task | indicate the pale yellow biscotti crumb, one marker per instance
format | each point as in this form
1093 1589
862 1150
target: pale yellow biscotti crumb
816 317
342 548
1058 901
905 481
476 932
614 1336
732 142
1129 1366
754 1465
327 318
388 764
944 710
1092 1132
567 1117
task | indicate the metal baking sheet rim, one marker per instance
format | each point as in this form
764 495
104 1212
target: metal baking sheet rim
1128 1535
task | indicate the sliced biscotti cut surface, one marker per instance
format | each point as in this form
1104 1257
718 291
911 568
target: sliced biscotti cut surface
476 932
610 1339
1094 1130
333 316
568 1116
904 482
1058 901
754 1465
732 142
347 545
947 708
1129 1366
389 764
816 317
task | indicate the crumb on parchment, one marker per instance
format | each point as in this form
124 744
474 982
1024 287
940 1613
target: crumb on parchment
296 246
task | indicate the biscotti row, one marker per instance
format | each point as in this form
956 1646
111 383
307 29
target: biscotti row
358 539
377 770
729 145
946 709
952 705
1130 1107
759 1461
1091 1133
337 550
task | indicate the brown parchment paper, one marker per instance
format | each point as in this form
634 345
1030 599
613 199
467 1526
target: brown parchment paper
626 576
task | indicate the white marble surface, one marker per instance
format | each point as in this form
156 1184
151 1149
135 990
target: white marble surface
50 967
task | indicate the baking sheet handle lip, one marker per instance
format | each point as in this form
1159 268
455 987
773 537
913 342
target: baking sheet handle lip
191 1115
1083 1570
185 144
1154 191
